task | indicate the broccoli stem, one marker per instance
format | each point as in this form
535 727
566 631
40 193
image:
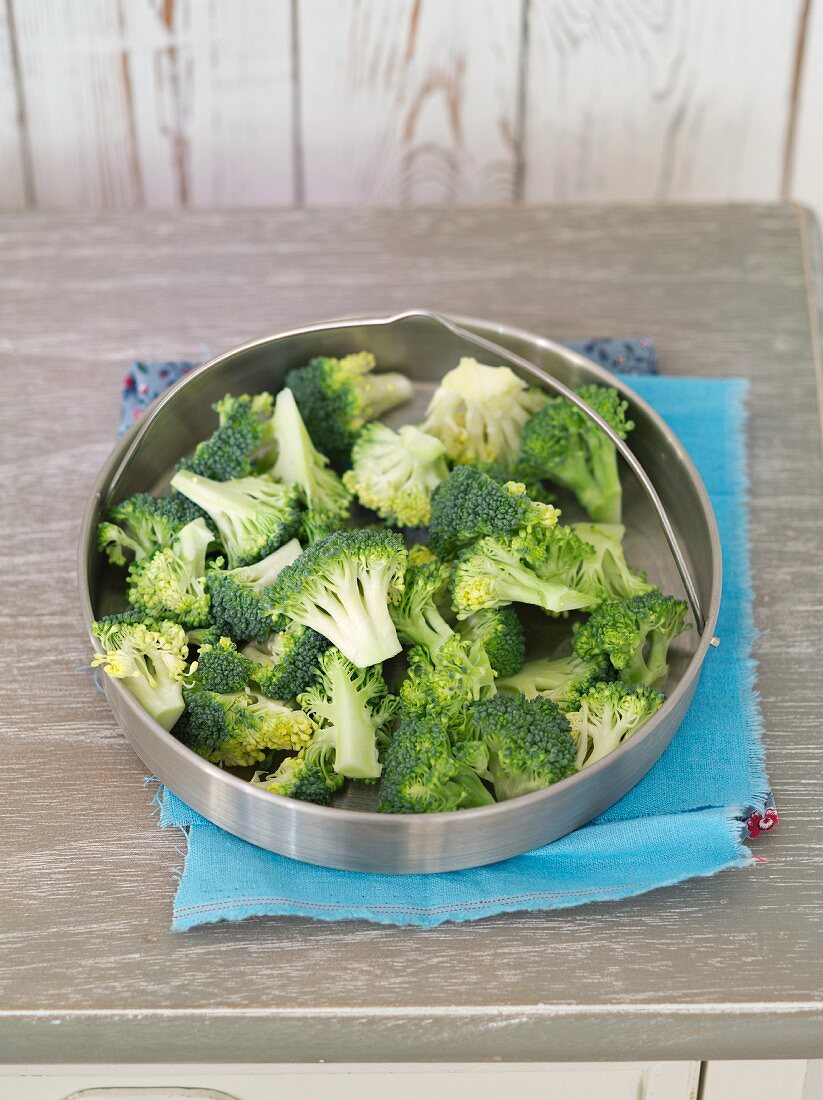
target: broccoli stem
163 699
353 732
600 491
477 793
381 392
516 585
357 622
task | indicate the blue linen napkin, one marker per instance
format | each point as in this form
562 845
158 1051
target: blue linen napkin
687 817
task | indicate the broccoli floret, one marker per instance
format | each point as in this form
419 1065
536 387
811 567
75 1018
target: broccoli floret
149 660
424 774
395 473
445 683
529 742
299 463
608 714
235 594
253 515
140 525
306 777
288 662
417 614
535 489
537 566
336 397
353 708
341 587
226 455
561 443
469 505
561 679
221 668
635 634
606 574
238 730
171 583
500 632
479 412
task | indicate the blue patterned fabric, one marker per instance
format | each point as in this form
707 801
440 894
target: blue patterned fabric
688 817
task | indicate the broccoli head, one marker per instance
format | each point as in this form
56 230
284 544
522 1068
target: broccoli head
529 742
516 471
336 397
138 525
171 583
286 664
417 613
561 443
561 679
635 634
306 777
226 455
235 594
479 412
500 632
149 659
299 463
240 729
341 587
353 708
423 773
608 714
395 472
254 515
221 668
606 574
444 684
538 565
469 505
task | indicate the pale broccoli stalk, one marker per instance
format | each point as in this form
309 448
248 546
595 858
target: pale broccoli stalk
253 515
299 463
607 574
149 660
609 714
561 679
352 706
341 587
479 413
395 472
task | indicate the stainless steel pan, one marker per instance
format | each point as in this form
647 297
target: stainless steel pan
672 534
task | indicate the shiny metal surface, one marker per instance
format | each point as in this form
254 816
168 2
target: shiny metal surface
356 839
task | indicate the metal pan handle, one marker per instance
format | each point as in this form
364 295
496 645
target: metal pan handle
620 444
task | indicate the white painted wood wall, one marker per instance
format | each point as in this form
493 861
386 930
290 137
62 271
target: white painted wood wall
120 103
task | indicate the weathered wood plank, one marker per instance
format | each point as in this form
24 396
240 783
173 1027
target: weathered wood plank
410 102
723 967
651 101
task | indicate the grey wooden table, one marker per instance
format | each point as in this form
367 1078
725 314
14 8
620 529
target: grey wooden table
725 967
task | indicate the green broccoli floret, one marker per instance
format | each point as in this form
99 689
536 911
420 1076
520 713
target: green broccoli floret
235 594
171 583
516 471
417 613
299 463
253 515
221 668
226 455
306 777
561 443
287 663
149 660
445 683
529 742
606 574
561 679
341 587
635 634
238 730
423 773
537 566
469 505
500 632
479 412
608 714
353 708
336 397
395 472
138 525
